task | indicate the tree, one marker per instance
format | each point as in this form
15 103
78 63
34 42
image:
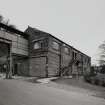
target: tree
6 22
102 70
1 18
12 26
102 54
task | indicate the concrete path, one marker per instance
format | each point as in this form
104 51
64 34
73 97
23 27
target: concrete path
46 80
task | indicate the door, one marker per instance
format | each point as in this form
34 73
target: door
38 66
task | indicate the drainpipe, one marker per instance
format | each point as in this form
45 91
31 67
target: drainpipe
10 63
60 61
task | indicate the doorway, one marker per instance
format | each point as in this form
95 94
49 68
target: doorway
4 53
15 69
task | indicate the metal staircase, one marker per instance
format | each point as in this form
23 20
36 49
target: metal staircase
65 70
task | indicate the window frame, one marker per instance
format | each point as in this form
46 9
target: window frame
74 54
58 46
39 44
66 51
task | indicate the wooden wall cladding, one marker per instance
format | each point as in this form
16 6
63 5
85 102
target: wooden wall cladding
19 44
65 59
38 66
23 67
53 64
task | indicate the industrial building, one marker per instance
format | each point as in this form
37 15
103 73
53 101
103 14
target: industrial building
37 53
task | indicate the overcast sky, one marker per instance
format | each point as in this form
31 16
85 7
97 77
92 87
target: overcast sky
80 23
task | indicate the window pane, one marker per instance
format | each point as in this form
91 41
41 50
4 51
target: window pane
66 50
36 45
55 45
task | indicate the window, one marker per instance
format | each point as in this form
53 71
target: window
37 45
79 56
88 60
66 50
74 54
84 60
55 45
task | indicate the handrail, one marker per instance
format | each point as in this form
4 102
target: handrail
65 69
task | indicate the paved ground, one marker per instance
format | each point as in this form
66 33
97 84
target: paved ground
17 92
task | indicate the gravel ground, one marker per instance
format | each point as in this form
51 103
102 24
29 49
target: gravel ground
20 92
79 86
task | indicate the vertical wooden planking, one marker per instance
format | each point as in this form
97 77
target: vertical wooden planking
38 66
53 64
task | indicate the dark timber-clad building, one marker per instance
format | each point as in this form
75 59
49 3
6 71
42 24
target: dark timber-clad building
37 53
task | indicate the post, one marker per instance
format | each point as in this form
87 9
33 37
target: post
10 63
47 66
